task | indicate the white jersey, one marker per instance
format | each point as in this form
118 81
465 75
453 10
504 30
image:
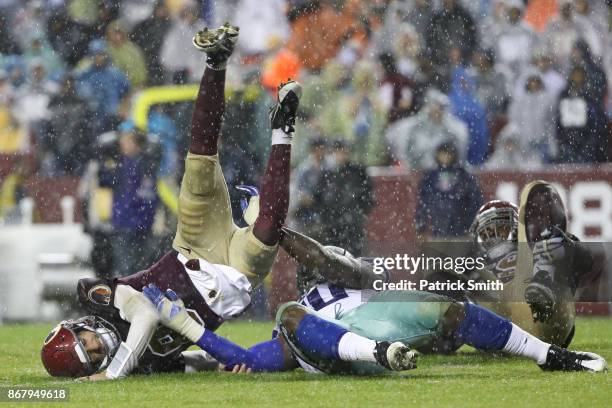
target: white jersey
332 302
225 290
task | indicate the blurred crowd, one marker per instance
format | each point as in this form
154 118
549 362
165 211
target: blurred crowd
441 86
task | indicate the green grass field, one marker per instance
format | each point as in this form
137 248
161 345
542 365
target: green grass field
466 379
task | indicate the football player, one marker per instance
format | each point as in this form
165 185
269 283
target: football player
213 264
338 330
531 252
378 334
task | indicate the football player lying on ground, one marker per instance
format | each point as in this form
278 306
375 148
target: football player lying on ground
561 264
213 264
338 330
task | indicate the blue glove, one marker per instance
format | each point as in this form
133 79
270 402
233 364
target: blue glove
156 296
251 191
172 312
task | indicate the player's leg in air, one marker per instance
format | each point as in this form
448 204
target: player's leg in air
205 226
205 230
561 263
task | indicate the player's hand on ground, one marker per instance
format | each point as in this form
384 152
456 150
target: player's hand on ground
238 369
172 312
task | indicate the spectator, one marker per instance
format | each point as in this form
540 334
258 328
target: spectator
68 38
596 13
103 87
364 108
68 138
345 192
32 100
452 26
467 107
149 36
161 125
8 44
306 178
178 56
12 135
448 197
492 86
16 70
532 110
318 30
27 22
420 16
491 23
514 39
263 26
581 122
413 140
39 50
396 90
406 48
565 29
132 179
126 55
543 61
596 81
509 153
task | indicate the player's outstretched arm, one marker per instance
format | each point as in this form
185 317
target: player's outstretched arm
269 356
338 269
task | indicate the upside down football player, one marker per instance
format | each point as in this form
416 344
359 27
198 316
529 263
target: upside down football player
213 264
338 330
531 251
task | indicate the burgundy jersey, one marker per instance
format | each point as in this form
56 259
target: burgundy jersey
163 353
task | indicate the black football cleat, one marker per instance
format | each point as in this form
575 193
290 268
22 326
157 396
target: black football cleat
395 356
560 359
282 116
218 44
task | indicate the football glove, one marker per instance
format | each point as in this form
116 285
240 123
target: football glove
172 312
250 205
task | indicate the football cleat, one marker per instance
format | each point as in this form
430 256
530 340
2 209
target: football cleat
544 213
395 356
560 359
218 44
282 116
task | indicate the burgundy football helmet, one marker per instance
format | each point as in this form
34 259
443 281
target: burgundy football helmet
495 222
64 355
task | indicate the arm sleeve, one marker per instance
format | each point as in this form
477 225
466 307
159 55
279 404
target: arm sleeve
262 357
337 269
143 318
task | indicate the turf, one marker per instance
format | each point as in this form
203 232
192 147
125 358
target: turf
466 379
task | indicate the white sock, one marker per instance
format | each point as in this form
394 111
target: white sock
521 343
280 137
353 347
